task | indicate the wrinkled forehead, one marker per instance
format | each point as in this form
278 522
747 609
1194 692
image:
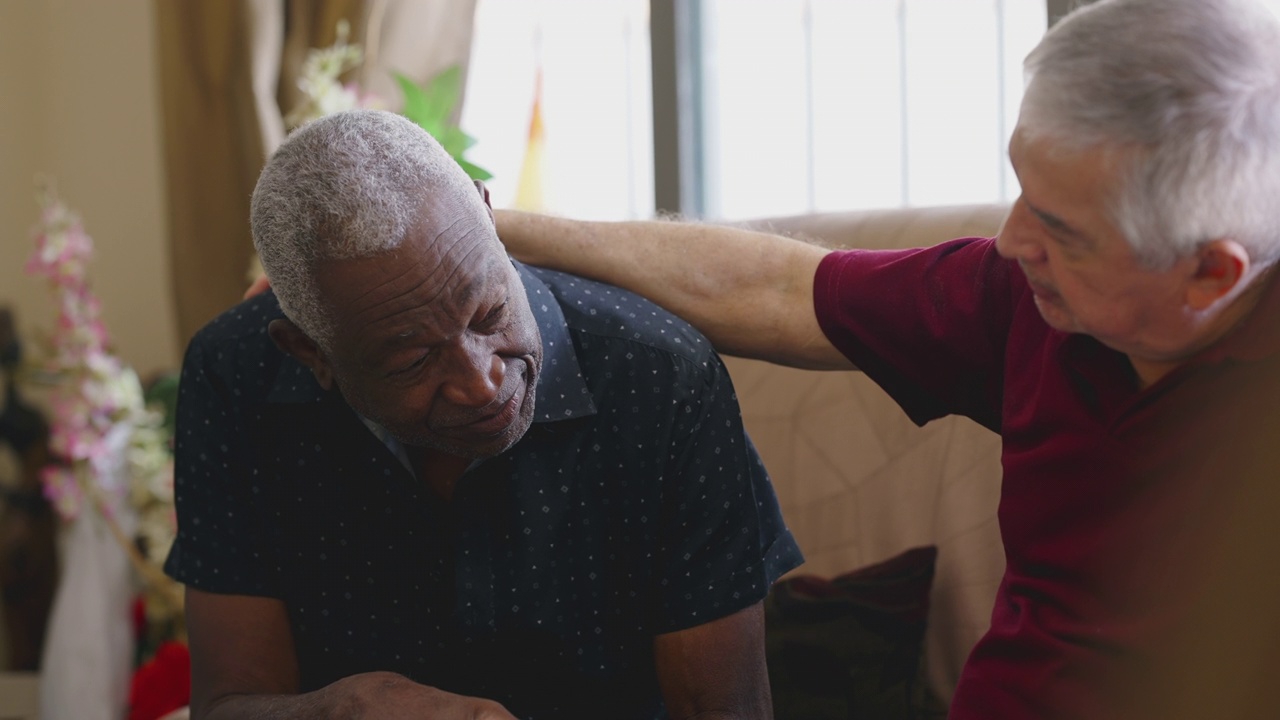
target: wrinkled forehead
470 271
447 263
455 232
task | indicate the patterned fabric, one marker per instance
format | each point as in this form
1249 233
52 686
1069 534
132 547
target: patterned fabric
635 505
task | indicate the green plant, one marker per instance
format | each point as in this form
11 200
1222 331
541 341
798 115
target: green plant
432 106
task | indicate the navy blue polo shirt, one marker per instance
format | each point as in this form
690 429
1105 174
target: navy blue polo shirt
635 505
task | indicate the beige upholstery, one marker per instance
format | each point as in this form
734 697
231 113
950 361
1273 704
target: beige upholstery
858 481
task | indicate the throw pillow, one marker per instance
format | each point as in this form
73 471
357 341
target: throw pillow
850 647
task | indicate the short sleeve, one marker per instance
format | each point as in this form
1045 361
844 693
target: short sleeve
723 540
220 543
928 325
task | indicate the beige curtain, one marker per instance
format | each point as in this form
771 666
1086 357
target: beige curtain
228 74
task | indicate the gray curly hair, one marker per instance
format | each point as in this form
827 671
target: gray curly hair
346 185
1185 96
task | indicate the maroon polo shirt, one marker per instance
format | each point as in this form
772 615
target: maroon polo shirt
1119 508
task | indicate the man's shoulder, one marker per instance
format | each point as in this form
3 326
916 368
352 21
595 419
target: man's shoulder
236 342
618 317
245 321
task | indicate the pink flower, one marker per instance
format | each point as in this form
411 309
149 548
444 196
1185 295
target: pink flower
62 249
98 410
365 99
61 490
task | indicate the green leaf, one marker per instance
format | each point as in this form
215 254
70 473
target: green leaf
431 105
473 171
416 105
444 91
455 141
466 140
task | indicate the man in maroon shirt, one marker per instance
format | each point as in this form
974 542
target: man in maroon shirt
1122 334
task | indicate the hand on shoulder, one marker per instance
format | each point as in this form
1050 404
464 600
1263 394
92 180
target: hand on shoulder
259 286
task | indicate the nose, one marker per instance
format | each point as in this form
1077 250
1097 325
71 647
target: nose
1019 238
474 377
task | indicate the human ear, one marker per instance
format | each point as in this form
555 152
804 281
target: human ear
293 342
484 193
1220 266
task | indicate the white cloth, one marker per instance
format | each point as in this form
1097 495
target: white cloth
88 655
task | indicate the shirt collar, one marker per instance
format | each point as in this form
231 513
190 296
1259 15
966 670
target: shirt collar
561 394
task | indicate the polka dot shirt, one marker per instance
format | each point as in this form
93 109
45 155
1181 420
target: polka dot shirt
634 505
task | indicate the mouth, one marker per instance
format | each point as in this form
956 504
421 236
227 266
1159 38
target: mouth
493 423
492 420
1041 291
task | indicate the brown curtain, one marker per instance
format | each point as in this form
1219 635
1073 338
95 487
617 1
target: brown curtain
415 37
227 69
309 25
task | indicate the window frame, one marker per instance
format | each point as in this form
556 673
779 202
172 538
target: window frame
680 165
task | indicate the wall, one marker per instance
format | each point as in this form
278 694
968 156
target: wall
21 137
79 103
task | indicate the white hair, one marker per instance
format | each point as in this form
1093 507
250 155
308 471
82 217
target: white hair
346 185
1184 96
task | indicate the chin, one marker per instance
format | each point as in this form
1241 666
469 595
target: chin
474 450
497 445
477 449
1056 316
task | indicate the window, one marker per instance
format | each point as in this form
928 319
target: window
805 105
596 102
836 105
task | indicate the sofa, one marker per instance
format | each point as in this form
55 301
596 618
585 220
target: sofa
858 482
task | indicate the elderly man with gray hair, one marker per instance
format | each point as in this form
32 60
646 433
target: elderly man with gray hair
1122 334
420 480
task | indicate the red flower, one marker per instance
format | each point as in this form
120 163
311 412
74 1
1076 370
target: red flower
139 618
162 684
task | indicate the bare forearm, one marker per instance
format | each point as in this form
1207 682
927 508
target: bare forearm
716 671
750 293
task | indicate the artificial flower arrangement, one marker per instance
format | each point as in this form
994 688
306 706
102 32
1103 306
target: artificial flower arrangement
112 448
430 105
323 92
98 406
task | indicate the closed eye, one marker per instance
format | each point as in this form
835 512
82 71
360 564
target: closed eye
493 318
1059 231
1058 236
1051 223
412 366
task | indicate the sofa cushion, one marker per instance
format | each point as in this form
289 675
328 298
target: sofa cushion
857 480
850 646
